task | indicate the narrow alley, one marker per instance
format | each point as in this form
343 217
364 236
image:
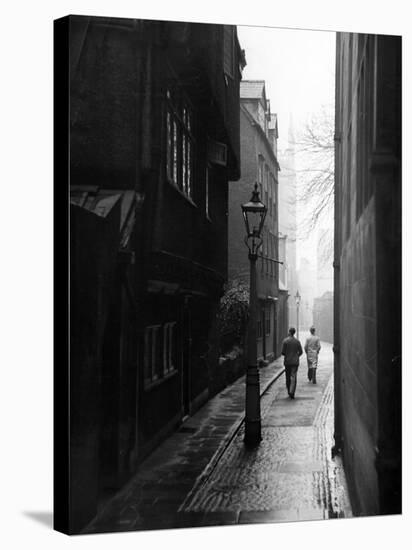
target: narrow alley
203 475
217 205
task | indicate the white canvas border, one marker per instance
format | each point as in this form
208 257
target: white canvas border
26 275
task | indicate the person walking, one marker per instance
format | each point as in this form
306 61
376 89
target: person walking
312 348
291 350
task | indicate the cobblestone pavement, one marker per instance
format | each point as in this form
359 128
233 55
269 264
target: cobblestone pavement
151 499
291 475
202 474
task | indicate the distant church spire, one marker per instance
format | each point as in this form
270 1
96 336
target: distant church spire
291 132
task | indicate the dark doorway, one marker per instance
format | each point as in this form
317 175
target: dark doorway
109 404
187 353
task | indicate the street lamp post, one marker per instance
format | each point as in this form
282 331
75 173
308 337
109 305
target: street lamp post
297 298
254 213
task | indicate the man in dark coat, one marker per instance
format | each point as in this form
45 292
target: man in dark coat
292 350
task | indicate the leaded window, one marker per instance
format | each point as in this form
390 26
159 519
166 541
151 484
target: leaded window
179 142
159 351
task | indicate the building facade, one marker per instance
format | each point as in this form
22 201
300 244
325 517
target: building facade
154 140
259 134
287 221
307 286
367 297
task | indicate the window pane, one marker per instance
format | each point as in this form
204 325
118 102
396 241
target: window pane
147 350
175 152
171 335
184 164
189 168
179 146
207 192
165 347
169 145
154 347
189 121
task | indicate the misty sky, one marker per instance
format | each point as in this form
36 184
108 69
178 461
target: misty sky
298 67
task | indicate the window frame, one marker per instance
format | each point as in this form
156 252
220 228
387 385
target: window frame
207 191
180 141
261 166
259 332
168 346
268 320
270 206
159 348
151 366
265 199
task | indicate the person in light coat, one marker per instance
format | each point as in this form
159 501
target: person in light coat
312 348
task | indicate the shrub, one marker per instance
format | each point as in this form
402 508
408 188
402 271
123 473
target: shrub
233 316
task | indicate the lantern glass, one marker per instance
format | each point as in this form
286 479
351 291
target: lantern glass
254 213
297 298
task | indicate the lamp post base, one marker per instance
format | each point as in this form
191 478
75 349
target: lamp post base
252 414
253 434
252 418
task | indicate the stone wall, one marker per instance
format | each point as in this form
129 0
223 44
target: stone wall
323 317
367 298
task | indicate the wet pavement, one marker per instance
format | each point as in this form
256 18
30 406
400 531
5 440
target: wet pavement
203 474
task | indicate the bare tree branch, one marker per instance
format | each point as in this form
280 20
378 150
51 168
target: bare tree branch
315 190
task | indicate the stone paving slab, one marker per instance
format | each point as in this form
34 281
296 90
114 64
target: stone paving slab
202 475
180 464
288 476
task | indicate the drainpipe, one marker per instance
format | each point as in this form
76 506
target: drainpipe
139 232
